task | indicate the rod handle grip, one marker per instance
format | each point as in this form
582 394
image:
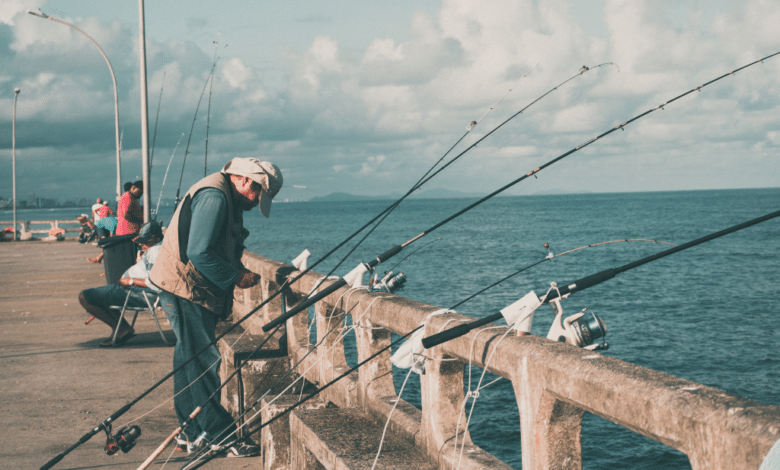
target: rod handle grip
386 256
446 335
52 462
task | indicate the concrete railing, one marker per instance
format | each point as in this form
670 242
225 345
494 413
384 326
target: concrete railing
26 232
554 384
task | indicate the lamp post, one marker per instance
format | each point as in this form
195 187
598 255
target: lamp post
116 98
144 115
13 154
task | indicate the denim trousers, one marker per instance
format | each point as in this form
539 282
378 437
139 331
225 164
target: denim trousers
193 385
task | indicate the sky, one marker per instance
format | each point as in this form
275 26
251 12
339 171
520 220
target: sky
364 97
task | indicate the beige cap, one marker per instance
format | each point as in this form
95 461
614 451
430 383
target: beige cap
266 174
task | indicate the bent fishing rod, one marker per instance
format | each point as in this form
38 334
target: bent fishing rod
398 248
424 179
549 257
105 425
557 293
192 128
388 254
201 458
576 286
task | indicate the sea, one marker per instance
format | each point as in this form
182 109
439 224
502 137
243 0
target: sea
707 314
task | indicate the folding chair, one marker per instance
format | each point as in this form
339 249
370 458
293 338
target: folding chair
150 306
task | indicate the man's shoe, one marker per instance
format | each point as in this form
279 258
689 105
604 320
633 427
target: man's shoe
237 448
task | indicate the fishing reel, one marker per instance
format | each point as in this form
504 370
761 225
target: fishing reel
123 440
390 282
580 329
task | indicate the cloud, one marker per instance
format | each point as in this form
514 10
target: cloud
372 118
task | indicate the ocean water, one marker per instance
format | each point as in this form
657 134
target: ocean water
707 314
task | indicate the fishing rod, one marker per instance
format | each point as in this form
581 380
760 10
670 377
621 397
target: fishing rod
386 212
208 113
424 180
549 257
120 412
170 160
556 293
365 267
383 257
194 118
410 334
156 120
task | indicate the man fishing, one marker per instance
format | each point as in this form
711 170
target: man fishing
198 267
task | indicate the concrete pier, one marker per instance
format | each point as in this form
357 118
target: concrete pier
56 383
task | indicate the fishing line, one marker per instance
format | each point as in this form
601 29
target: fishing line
356 324
268 327
550 257
393 251
424 180
560 292
302 376
170 160
156 120
552 294
208 114
412 253
383 257
397 249
475 393
192 128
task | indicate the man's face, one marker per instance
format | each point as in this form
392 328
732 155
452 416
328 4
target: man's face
247 193
136 191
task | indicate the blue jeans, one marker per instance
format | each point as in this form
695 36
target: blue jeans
199 379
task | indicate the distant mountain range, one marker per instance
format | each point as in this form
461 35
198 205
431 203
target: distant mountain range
434 193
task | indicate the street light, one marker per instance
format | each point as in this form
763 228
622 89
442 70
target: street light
13 154
116 98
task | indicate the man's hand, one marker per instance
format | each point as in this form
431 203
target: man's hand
247 279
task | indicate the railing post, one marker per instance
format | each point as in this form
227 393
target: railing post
375 379
25 233
442 399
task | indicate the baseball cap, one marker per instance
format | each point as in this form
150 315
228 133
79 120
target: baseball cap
148 232
266 174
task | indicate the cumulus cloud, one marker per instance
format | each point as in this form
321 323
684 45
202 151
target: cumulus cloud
367 118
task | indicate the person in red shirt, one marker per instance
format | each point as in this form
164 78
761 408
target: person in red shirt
129 211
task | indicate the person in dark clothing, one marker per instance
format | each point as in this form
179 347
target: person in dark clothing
198 267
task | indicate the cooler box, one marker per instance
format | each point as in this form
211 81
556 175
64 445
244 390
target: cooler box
119 255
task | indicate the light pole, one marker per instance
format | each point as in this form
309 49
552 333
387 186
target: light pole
144 115
116 98
13 154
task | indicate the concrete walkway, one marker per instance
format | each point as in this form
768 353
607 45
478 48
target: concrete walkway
56 383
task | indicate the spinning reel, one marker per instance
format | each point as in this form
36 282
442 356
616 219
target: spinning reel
389 283
580 329
123 440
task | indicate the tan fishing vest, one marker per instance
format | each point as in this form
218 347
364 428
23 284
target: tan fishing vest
174 273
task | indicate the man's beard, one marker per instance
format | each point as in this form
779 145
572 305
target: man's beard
245 204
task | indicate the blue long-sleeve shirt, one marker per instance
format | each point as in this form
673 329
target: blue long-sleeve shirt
209 216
